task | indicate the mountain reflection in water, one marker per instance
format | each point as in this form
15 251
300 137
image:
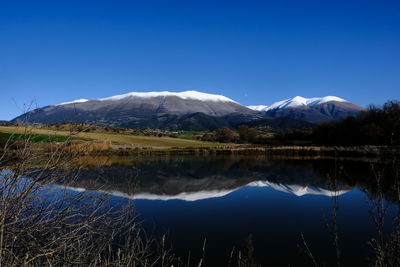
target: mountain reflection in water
192 179
227 198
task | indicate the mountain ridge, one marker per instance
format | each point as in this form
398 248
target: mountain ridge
314 110
187 110
195 95
297 101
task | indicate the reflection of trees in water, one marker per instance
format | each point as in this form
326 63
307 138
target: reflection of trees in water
176 174
381 183
363 175
184 174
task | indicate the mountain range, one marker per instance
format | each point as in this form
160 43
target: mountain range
189 110
310 109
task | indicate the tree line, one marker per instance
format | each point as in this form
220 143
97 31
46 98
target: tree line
374 126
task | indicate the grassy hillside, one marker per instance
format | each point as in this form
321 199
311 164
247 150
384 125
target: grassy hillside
134 140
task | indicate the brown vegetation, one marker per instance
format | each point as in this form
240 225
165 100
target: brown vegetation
87 147
45 225
93 128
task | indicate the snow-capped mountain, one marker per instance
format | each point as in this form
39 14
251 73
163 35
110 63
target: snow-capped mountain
189 110
310 109
193 95
298 101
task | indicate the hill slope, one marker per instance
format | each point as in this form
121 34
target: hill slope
310 109
188 110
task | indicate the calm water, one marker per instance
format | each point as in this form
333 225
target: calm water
226 199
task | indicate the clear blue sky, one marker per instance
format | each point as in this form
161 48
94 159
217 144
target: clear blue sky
255 52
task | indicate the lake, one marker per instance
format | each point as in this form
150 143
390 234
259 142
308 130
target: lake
222 201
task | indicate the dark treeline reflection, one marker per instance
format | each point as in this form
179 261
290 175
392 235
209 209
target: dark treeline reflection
173 176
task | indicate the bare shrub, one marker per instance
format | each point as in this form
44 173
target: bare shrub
385 246
42 224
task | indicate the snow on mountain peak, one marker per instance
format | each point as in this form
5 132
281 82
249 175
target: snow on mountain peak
291 102
321 100
75 101
258 108
299 101
195 95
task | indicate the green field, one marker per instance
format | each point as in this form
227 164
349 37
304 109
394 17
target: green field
35 138
133 140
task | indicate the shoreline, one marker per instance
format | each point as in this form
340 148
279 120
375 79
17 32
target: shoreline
98 149
334 151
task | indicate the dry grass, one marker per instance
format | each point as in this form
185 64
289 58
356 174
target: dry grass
46 225
133 140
